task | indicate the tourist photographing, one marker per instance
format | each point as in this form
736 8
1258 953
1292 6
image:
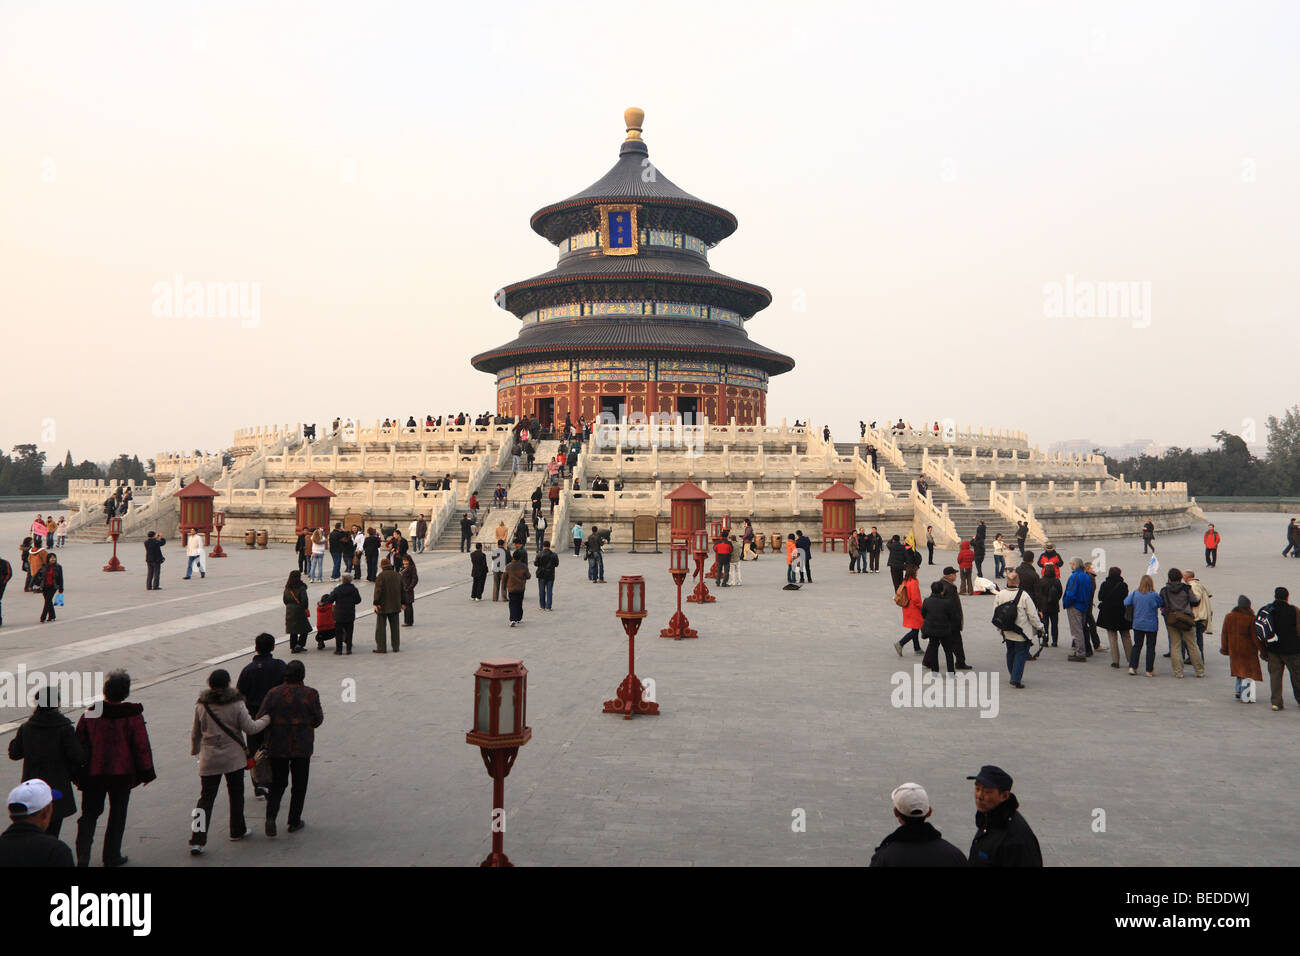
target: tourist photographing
153 559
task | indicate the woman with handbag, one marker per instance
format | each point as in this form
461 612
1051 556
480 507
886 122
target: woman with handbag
1113 617
296 622
221 719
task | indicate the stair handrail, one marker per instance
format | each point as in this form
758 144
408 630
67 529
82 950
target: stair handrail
950 481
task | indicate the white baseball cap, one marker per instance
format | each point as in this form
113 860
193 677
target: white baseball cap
31 797
911 800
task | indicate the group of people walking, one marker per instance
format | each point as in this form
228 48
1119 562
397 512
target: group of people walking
264 724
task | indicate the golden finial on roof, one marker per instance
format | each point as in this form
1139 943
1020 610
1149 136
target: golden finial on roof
633 117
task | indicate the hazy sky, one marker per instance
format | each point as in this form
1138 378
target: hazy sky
908 178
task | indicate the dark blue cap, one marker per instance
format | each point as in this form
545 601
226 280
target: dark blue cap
994 777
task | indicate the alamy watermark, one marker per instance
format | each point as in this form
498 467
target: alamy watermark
179 299
1085 299
23 688
923 688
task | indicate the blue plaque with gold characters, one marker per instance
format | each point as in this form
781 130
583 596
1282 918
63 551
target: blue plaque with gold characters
618 230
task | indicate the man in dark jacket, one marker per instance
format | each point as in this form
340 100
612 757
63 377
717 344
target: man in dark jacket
1002 837
897 560
478 571
466 530
345 599
295 713
26 842
153 560
51 583
1028 576
546 561
804 544
258 676
940 623
47 746
950 594
1283 653
119 760
915 842
388 605
872 544
338 544
370 547
978 546
6 572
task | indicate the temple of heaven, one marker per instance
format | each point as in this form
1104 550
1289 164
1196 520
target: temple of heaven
632 320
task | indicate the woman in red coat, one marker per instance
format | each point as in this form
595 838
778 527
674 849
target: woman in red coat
118 760
1237 642
966 561
912 619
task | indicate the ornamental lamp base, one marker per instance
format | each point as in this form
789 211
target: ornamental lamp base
629 700
679 627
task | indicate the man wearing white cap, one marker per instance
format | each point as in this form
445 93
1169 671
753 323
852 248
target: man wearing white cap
25 843
916 842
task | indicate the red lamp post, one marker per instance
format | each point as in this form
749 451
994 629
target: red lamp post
500 709
630 699
114 529
701 593
715 535
679 564
218 522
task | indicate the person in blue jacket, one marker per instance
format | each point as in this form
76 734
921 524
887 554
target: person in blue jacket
1146 604
1077 602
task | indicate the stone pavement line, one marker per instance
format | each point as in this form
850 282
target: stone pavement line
151 632
182 671
140 607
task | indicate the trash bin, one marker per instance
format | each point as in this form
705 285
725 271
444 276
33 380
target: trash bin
759 543
261 538
250 538
776 544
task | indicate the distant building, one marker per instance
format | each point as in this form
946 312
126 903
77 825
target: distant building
1133 449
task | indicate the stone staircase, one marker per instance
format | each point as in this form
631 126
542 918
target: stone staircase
965 517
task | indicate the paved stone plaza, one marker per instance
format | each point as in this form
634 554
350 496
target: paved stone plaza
784 703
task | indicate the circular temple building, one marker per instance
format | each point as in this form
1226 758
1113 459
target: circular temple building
632 320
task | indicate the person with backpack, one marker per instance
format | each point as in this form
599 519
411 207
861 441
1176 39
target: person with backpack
47 745
221 719
1281 644
1180 622
1146 605
1016 619
1237 642
908 597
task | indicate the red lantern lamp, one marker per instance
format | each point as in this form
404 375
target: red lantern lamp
500 729
701 593
629 699
114 529
679 566
218 522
